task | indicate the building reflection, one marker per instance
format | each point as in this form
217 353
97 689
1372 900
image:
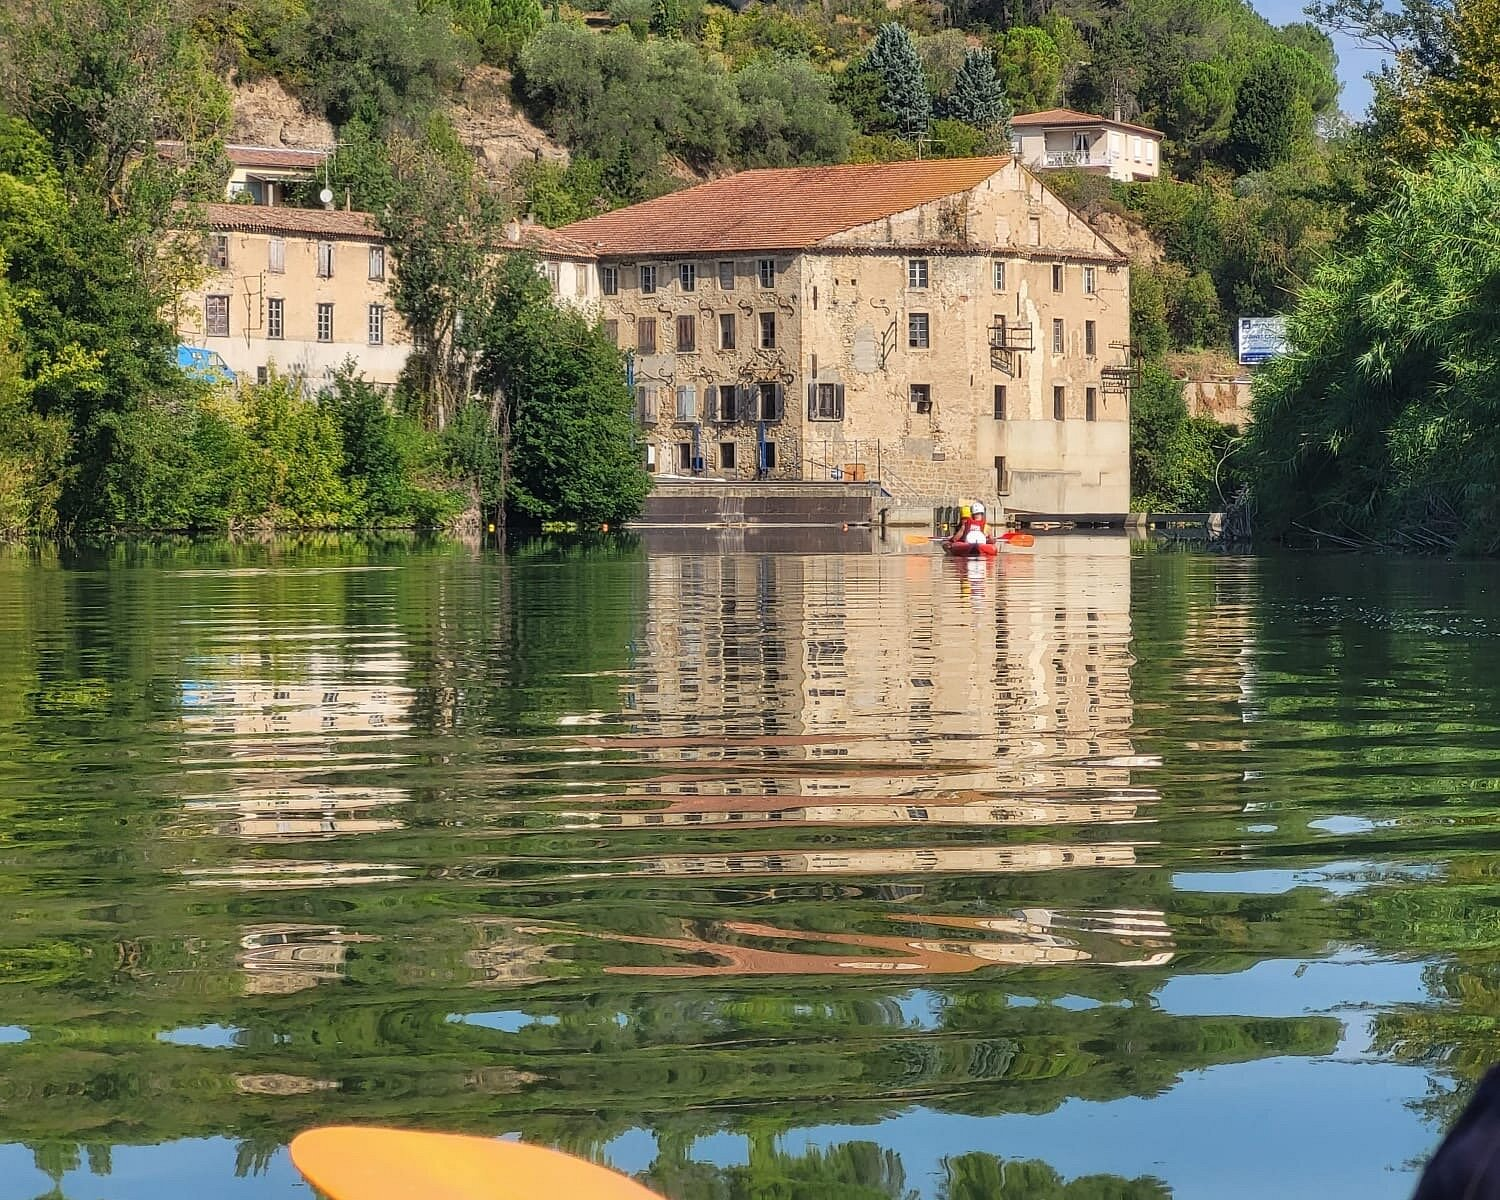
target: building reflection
293 813
1031 937
278 960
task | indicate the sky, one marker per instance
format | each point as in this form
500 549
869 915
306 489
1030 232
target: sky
1355 62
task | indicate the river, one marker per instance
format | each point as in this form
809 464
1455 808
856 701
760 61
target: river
1094 871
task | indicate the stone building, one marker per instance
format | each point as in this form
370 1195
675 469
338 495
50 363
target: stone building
297 290
948 327
1062 139
304 291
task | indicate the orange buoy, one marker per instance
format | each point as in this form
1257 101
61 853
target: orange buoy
347 1162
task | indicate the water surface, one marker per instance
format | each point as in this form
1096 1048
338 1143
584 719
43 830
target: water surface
1094 871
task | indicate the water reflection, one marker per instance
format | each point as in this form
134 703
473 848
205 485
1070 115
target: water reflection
873 871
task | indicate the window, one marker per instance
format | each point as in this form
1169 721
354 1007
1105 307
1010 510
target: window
554 276
1057 277
1081 144
685 456
1090 280
651 459
997 272
1135 148
216 316
921 397
726 278
999 402
648 279
687 403
1090 338
770 397
325 260
276 256
1150 151
997 332
582 279
726 456
218 251
609 280
766 269
1091 404
1034 230
768 456
687 276
916 273
276 318
377 262
825 401
687 334
645 335
768 331
916 331
1002 476
645 404
1057 335
262 374
612 332
1059 404
727 405
325 322
726 331
377 324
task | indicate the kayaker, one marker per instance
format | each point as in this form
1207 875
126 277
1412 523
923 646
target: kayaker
965 518
976 534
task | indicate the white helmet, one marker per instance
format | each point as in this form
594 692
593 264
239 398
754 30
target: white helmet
978 510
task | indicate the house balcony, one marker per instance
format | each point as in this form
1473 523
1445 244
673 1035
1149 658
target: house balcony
1060 159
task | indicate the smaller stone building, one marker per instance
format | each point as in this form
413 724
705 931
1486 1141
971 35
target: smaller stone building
1062 139
297 290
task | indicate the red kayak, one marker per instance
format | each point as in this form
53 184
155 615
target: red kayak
969 549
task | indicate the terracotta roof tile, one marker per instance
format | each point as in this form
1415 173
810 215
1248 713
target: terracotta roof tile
285 158
321 222
788 208
554 242
1055 117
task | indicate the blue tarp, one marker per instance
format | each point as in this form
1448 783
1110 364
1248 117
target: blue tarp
204 364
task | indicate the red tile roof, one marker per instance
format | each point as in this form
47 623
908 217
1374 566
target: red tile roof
318 222
1067 117
551 242
788 208
283 158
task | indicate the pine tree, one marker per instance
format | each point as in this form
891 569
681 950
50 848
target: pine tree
907 99
978 96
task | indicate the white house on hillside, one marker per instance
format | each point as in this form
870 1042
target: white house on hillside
1059 139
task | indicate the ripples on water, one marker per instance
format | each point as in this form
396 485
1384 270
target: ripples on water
1082 873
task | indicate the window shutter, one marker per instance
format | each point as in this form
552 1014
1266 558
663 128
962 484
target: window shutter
812 401
838 400
780 402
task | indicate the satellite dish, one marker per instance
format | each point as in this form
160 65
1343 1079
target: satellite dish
326 195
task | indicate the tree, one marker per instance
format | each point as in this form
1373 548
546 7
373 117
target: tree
1379 421
1266 117
907 101
1436 109
443 224
562 413
789 118
978 97
1031 67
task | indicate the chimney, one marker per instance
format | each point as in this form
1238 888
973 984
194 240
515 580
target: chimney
513 230
530 220
347 205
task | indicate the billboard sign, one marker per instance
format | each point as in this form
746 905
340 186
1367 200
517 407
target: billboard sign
1261 339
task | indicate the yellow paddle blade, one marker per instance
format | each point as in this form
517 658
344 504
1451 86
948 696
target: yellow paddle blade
347 1162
